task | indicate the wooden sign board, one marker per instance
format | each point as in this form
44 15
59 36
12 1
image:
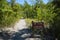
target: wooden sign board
37 25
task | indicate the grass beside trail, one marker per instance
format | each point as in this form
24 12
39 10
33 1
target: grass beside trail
29 21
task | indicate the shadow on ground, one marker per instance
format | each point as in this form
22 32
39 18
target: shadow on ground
20 35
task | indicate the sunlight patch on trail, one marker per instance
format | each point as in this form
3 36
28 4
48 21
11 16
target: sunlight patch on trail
21 24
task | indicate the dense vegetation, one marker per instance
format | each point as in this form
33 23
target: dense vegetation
56 24
9 13
12 10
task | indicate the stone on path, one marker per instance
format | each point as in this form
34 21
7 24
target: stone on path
33 39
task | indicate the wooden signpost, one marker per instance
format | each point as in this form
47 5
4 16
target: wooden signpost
37 25
37 28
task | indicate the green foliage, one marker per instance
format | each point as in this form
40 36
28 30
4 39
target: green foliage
8 14
49 13
40 11
39 14
29 11
45 12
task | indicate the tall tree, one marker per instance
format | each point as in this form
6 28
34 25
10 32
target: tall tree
12 2
56 23
28 10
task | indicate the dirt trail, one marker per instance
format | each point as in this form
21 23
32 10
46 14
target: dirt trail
21 24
